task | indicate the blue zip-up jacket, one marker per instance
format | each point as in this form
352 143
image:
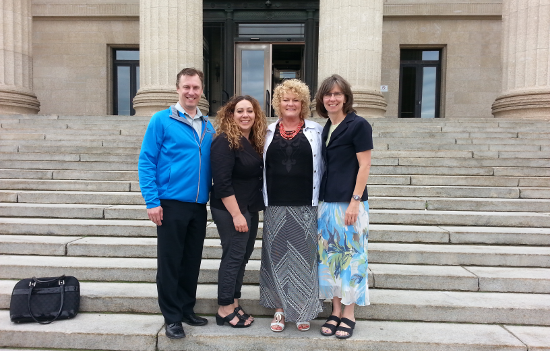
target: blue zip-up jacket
174 162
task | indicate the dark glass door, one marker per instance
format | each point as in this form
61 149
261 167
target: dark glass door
419 83
125 81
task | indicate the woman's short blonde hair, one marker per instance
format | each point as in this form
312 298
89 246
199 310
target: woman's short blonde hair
296 87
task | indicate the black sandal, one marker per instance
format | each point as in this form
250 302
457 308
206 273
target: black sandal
243 316
346 329
332 327
240 324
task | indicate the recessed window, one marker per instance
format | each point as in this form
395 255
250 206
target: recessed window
262 30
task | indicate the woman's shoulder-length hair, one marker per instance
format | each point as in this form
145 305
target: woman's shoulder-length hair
326 86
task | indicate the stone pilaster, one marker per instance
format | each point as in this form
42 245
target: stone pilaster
170 39
525 60
16 94
350 44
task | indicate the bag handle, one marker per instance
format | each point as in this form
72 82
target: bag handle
32 284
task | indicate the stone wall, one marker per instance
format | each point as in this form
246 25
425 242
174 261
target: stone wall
471 62
72 62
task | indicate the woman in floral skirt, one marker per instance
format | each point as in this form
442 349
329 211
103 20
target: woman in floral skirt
343 215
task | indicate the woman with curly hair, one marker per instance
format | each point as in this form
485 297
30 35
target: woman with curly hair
292 175
236 198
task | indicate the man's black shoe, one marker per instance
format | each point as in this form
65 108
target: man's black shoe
175 331
193 319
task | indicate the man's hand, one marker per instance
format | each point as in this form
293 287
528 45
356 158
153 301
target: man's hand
155 215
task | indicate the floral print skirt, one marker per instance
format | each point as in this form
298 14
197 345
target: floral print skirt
343 261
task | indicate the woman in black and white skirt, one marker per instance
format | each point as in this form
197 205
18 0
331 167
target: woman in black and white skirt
292 175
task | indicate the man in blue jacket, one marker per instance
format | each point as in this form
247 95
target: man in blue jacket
175 180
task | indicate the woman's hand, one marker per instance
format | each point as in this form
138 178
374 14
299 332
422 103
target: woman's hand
352 212
240 223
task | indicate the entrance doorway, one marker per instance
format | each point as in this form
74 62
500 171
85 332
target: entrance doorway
259 67
420 83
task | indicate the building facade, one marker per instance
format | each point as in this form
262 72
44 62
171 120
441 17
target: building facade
404 58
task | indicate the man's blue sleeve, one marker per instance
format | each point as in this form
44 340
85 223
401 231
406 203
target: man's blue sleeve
148 159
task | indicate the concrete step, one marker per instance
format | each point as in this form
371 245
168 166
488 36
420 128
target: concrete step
386 253
376 179
386 304
69 149
79 165
505 235
460 218
381 275
147 334
377 216
62 210
472 162
414 197
86 331
68 185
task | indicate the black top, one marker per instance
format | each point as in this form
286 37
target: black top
236 172
353 135
289 171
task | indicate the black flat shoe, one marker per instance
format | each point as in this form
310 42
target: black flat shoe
193 319
175 331
240 324
332 327
346 329
243 316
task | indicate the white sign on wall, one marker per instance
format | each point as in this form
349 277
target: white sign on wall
383 88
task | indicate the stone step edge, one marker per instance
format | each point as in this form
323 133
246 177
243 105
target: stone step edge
147 334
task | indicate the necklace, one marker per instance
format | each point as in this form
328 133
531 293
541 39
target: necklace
288 135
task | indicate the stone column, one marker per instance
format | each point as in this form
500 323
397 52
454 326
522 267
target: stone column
525 60
350 44
170 39
16 94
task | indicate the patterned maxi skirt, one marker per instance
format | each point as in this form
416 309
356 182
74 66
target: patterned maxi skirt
288 274
343 261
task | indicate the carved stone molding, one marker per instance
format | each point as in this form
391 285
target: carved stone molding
18 102
85 10
447 9
131 8
369 103
523 104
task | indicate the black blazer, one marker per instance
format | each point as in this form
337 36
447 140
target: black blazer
236 172
353 135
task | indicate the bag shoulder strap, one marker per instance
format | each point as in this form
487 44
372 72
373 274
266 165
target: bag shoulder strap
61 291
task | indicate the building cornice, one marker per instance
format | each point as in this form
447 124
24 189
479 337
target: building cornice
130 8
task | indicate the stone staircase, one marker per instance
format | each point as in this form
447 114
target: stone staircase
459 249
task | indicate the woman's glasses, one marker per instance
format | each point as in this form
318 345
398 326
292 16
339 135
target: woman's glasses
336 95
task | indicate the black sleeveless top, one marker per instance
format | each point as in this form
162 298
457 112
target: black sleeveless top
289 171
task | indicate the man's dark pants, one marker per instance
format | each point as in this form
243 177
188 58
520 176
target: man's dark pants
180 240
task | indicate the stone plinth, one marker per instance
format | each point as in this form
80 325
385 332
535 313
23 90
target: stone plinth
16 95
350 44
170 39
525 60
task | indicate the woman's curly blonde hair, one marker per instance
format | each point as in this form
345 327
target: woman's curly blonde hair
296 87
225 123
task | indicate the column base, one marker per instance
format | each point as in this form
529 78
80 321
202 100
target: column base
14 101
149 101
523 105
369 103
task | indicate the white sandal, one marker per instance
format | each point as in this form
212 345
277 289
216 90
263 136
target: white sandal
303 323
278 318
